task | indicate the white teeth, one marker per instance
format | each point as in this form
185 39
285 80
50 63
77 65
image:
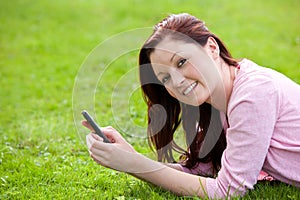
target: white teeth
190 88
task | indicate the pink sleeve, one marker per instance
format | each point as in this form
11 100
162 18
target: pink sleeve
252 119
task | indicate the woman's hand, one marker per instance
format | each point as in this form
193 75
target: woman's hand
118 154
121 156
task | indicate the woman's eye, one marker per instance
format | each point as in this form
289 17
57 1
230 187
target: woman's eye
181 62
165 79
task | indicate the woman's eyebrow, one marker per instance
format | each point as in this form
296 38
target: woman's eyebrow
160 73
171 60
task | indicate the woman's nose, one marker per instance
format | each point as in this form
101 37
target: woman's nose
177 78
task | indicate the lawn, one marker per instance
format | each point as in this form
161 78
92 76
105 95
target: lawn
58 57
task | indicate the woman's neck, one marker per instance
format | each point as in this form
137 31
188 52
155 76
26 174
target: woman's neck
221 95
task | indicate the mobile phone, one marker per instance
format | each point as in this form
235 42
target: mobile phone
94 125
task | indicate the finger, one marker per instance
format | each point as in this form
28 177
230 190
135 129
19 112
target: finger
89 141
86 124
100 154
112 130
96 142
101 157
97 137
96 159
112 134
96 154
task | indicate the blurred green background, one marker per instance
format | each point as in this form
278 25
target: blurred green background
43 45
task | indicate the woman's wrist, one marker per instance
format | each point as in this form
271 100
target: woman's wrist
168 177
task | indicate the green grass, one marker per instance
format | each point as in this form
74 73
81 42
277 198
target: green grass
43 45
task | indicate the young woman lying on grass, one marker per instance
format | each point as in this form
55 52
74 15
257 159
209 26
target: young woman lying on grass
239 118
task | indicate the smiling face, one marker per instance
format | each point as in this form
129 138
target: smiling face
187 70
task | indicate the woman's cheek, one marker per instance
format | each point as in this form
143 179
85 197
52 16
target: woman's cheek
171 92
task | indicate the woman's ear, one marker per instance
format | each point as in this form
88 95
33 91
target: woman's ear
212 48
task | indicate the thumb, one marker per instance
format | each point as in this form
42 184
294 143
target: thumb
87 125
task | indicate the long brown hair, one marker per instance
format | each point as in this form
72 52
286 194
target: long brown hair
197 121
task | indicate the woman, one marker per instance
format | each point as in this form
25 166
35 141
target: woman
239 118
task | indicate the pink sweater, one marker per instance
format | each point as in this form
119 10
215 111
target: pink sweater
264 132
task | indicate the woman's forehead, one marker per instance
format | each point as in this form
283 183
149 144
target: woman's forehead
167 49
169 45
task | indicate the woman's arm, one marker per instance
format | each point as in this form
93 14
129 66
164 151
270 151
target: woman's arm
252 114
174 180
176 166
120 156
